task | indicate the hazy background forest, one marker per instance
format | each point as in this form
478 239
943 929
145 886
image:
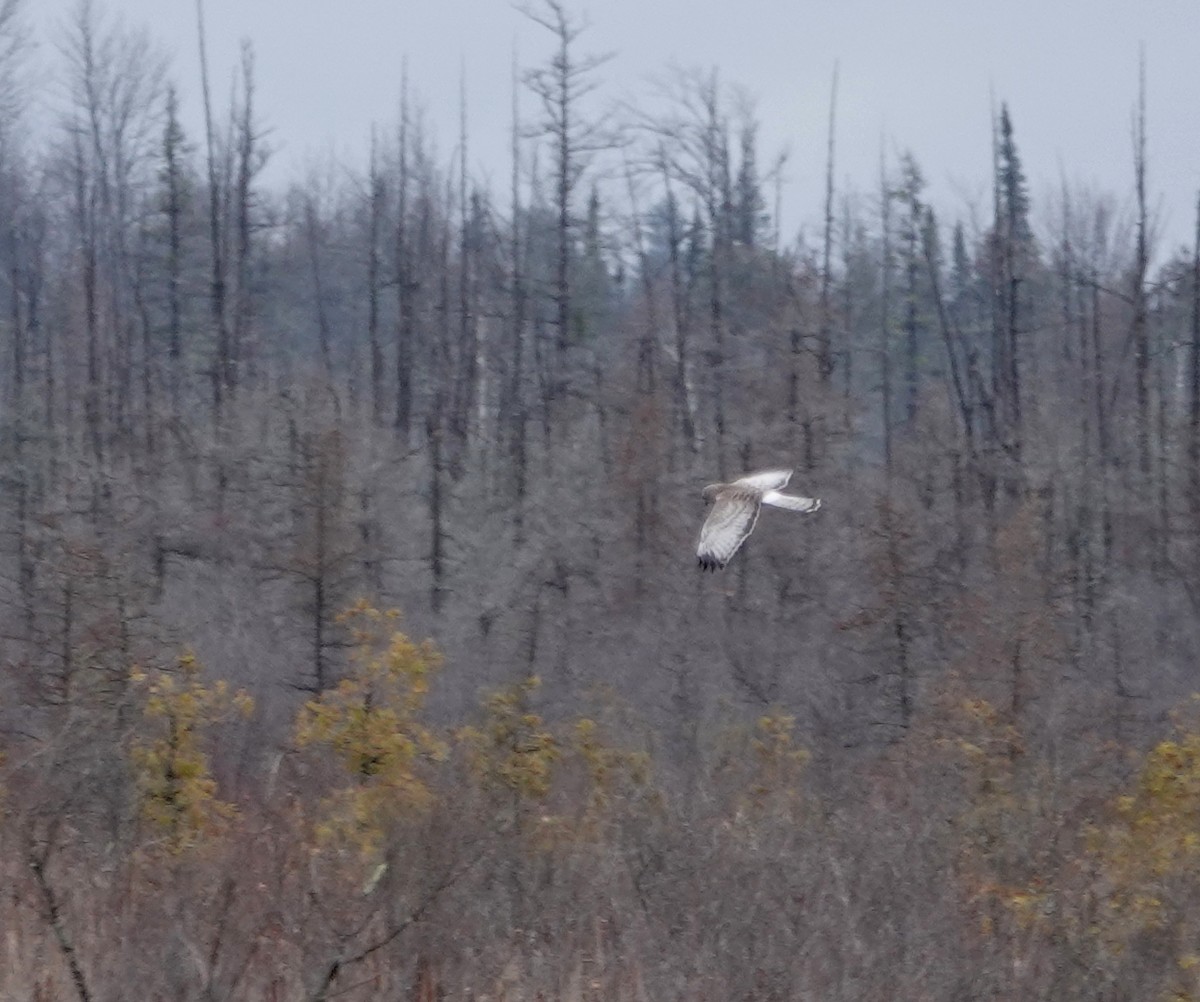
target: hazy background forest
932 742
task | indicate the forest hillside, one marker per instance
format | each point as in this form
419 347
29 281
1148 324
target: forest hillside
937 740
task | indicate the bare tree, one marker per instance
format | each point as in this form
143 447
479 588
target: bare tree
174 200
250 157
885 334
824 333
908 194
561 88
1012 255
406 283
322 551
514 404
691 144
1139 331
116 79
376 217
315 241
221 372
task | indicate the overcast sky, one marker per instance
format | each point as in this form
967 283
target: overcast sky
915 75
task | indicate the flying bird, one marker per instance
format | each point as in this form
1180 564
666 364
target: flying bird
735 508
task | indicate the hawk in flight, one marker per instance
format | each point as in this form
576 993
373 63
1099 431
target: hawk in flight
735 509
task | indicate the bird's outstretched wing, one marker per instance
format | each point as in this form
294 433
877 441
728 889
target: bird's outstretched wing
793 502
765 480
728 524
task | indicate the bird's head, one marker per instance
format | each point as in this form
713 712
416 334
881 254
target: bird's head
710 492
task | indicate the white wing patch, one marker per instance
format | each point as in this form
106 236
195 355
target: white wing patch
767 480
790 501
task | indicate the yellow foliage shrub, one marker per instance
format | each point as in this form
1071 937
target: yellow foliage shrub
512 751
177 792
1155 837
370 724
566 775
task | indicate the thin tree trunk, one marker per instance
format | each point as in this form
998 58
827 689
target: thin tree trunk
564 168
405 285
54 916
467 376
374 230
240 354
221 368
313 232
1141 334
174 208
433 436
684 405
646 355
950 337
911 347
85 212
516 417
1104 443
824 330
149 368
885 310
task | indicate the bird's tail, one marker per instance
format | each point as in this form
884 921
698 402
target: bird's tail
790 501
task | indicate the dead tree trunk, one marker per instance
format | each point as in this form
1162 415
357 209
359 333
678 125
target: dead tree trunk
885 310
404 281
221 373
514 414
437 532
250 160
173 207
375 212
824 330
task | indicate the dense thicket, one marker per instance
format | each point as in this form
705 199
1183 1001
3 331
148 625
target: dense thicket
916 745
